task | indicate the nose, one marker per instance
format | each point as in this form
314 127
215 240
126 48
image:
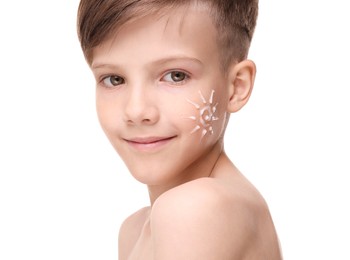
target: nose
141 108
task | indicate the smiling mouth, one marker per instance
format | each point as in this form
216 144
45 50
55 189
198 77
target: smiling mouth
149 143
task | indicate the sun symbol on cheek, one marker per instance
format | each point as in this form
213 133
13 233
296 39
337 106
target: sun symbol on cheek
206 115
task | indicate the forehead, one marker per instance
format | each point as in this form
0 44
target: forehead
187 29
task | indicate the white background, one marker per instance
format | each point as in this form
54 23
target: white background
64 191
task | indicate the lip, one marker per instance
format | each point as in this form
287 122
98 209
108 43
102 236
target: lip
149 144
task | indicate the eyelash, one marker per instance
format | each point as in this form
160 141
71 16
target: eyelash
110 84
172 81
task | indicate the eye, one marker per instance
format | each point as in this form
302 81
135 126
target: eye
113 81
175 76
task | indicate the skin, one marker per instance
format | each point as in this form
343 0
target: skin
202 207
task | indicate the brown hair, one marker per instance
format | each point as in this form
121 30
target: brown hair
235 21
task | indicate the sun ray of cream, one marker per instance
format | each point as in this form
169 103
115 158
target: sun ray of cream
195 104
203 99
195 129
204 132
211 97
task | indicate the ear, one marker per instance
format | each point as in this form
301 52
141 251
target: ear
241 81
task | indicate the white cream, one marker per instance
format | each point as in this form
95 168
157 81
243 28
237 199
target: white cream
206 115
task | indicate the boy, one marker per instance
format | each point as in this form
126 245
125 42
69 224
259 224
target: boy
169 73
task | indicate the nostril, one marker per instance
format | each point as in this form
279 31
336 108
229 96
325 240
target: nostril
148 121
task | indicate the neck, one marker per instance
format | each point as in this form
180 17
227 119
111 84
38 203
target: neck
203 167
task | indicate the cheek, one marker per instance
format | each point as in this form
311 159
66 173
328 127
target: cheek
107 115
208 120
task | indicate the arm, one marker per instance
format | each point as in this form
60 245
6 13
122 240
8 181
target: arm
198 221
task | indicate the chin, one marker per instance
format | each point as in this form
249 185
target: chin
152 176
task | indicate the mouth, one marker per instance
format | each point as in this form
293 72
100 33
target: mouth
149 143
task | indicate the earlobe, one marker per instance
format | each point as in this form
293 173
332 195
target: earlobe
241 82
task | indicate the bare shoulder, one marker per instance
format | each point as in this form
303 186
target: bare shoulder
130 230
213 218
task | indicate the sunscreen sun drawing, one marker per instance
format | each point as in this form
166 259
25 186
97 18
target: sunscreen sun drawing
206 115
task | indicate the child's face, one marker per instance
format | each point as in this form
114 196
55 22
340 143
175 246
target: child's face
161 95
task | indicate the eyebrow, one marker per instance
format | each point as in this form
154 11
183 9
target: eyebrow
103 65
176 58
161 61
